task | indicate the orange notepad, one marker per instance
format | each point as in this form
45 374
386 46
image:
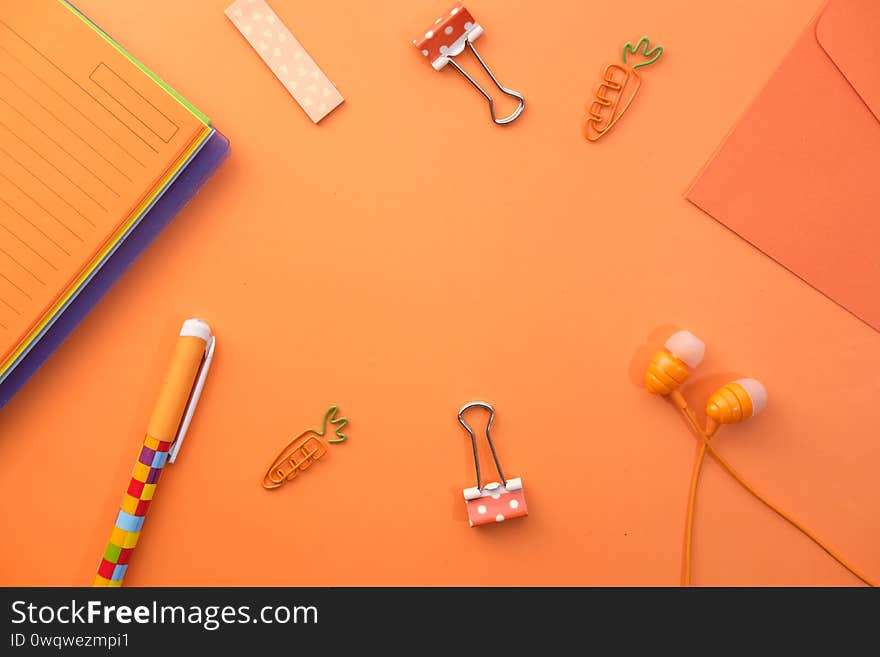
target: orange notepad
88 138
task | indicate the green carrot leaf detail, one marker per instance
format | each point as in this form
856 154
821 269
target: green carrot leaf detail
330 416
651 55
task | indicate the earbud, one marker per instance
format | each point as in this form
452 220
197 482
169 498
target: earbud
670 366
736 401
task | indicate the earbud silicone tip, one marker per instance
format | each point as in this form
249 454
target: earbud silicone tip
756 392
687 347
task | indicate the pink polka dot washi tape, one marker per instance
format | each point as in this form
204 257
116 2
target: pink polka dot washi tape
446 38
285 57
494 502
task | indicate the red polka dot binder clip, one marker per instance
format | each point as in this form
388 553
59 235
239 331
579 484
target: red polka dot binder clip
449 36
494 502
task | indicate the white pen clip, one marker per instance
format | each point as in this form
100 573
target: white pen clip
193 400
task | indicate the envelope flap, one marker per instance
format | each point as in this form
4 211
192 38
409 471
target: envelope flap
849 32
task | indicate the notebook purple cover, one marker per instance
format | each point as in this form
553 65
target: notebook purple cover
185 186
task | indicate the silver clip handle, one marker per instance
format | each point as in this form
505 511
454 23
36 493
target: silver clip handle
515 94
467 427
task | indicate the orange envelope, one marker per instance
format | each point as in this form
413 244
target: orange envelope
799 176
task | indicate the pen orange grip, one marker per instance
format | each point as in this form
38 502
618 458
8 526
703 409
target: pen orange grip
176 387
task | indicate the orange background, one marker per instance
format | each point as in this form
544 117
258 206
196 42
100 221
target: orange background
406 256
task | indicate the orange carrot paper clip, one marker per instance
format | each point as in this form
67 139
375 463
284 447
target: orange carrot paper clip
303 451
618 88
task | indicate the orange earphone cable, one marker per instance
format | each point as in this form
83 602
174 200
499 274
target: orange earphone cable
707 446
692 492
689 521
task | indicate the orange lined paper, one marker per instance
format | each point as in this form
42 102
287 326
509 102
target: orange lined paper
86 137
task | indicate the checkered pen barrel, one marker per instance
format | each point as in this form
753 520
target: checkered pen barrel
153 454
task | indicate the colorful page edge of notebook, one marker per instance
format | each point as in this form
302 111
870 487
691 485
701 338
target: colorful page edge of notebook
118 235
134 60
38 324
185 187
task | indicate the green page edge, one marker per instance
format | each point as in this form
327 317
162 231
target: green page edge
183 101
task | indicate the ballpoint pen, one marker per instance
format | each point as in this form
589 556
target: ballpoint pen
178 397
